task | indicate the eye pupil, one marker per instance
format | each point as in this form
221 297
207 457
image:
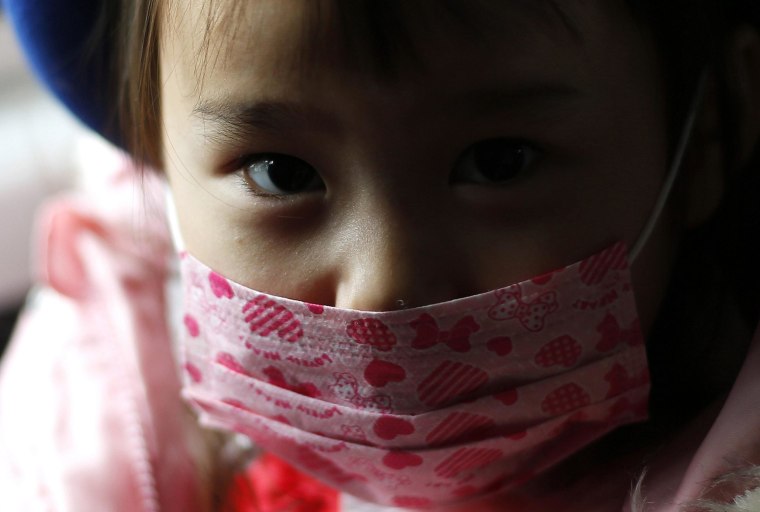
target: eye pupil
499 160
289 174
281 175
495 162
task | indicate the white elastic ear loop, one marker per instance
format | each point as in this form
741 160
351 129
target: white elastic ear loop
171 215
675 167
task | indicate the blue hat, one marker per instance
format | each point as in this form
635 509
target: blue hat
57 37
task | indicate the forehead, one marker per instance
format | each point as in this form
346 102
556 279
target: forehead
383 30
342 62
384 39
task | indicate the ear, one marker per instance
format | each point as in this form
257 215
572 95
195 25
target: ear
707 159
704 163
743 61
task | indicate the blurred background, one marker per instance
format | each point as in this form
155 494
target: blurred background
38 141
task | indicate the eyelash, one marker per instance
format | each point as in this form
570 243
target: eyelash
499 154
238 167
492 151
248 188
243 164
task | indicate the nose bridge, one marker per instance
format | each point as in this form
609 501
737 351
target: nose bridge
391 261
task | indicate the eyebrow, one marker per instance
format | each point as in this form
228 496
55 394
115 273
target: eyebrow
233 120
523 97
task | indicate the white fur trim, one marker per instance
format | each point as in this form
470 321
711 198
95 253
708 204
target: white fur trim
748 501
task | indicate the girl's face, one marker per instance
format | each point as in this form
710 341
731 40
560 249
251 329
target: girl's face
500 153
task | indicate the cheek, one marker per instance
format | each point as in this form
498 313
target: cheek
203 227
250 249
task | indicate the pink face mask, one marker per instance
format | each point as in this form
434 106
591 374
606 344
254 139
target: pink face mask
431 405
423 406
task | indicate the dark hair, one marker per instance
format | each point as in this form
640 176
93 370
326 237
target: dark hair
693 359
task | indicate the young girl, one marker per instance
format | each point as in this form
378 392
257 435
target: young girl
444 255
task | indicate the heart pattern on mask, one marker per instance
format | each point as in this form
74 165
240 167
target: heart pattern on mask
369 331
563 351
191 324
380 373
401 460
449 381
501 345
565 398
266 316
390 427
220 286
459 427
423 406
594 269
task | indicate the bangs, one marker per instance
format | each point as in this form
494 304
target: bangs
385 35
381 38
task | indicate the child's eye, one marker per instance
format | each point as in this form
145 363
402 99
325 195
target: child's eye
494 161
280 175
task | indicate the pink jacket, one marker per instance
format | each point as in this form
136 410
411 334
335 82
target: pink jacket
90 415
90 412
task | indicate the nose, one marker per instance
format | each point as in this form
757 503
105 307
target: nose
391 263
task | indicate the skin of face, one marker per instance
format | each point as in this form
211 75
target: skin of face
394 222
